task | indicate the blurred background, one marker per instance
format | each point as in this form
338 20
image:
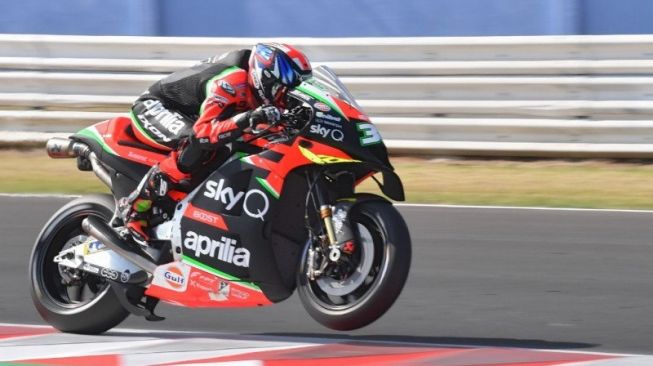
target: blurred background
327 18
509 102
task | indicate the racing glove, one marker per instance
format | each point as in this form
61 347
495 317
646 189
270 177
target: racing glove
264 114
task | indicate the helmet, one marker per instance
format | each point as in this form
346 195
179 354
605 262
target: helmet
274 69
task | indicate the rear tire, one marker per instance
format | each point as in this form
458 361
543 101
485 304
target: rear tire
384 281
100 309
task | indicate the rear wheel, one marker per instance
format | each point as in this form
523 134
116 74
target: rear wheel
70 300
367 282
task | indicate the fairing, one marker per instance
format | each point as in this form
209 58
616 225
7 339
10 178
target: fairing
241 232
338 121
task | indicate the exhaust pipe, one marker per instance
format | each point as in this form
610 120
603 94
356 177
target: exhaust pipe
60 148
104 233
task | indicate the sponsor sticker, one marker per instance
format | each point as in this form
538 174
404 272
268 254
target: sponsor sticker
334 134
255 203
224 288
203 281
227 88
125 276
90 268
172 276
109 274
328 117
223 249
321 106
239 294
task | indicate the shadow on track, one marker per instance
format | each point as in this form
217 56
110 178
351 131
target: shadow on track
448 341
379 340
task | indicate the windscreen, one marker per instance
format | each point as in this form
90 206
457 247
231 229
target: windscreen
324 78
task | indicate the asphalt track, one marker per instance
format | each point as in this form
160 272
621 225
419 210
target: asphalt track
569 280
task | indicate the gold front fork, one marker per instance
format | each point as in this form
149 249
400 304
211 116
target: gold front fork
326 214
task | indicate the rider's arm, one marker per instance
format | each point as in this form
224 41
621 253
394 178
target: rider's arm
224 113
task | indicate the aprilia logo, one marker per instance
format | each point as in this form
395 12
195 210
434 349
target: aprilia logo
173 122
224 250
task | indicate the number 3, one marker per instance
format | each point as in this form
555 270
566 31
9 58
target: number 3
370 134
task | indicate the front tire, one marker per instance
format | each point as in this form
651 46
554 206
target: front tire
89 306
385 276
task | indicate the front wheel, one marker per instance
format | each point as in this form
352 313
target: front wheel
377 271
71 300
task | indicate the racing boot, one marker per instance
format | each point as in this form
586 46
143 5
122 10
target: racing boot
140 207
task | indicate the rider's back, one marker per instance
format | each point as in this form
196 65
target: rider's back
185 90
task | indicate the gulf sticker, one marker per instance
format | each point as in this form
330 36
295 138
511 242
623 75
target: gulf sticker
172 276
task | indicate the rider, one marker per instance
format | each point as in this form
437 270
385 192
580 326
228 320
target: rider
193 112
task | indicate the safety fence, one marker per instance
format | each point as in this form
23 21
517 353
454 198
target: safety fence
561 96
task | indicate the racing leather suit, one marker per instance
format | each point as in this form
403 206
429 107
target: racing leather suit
188 113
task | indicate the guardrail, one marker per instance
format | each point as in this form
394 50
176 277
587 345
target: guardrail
563 96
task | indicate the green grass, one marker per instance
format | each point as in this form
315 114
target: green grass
592 184
32 171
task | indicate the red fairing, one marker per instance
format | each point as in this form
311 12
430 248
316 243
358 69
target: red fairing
185 285
293 158
351 112
148 141
114 134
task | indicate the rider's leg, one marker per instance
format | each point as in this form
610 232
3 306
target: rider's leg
159 127
152 193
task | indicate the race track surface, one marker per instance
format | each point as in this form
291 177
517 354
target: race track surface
577 281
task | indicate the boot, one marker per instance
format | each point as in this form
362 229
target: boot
137 209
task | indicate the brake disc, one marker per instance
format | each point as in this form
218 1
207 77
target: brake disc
334 287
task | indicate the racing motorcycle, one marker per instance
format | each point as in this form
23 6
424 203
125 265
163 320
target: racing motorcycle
280 212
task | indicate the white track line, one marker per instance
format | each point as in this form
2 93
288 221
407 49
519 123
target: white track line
39 195
426 205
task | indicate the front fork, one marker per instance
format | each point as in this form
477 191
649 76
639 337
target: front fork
326 214
338 233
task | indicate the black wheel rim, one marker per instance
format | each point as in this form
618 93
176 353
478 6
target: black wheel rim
366 288
49 274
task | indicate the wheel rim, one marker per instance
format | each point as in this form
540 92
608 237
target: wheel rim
51 276
334 287
334 295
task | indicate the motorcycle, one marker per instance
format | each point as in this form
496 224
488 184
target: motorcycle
279 213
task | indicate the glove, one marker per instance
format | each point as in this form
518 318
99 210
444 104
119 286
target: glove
264 114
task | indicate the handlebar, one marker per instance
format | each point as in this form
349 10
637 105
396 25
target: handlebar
295 118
